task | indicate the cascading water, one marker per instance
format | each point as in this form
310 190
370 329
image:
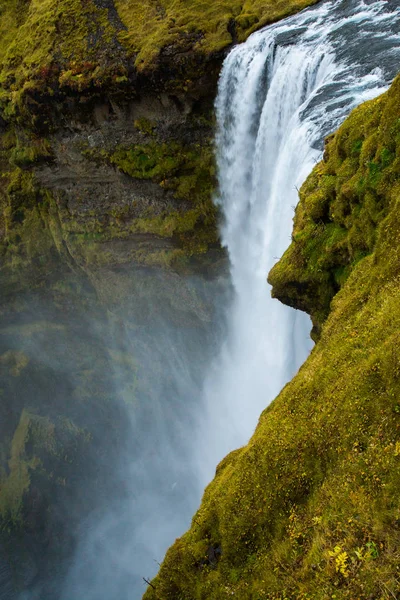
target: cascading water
279 95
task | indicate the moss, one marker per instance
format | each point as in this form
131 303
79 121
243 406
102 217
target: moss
36 449
15 486
341 204
152 26
310 509
49 47
144 126
31 238
16 361
59 56
26 155
28 239
188 171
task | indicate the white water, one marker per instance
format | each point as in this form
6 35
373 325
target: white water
279 94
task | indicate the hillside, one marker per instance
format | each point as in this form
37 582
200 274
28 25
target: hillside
310 507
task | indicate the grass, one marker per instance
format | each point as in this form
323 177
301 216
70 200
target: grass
310 509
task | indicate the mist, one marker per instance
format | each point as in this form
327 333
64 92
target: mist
128 376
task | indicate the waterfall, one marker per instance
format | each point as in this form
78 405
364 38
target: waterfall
279 94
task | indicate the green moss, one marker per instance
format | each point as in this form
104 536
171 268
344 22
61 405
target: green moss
16 361
46 45
28 239
16 484
29 154
186 171
36 449
152 161
52 47
152 26
145 126
310 509
61 53
31 243
341 204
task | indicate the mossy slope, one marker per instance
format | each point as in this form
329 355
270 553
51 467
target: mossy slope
310 507
341 205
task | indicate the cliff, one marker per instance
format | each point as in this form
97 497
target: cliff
107 125
310 507
107 172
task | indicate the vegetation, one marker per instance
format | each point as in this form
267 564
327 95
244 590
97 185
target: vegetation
36 232
35 448
208 26
56 57
26 239
310 509
48 47
189 173
341 205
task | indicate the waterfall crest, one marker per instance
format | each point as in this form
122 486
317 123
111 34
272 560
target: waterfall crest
279 94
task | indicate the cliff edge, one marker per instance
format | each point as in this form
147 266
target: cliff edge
310 507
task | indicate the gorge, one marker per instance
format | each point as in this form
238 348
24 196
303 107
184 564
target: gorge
135 353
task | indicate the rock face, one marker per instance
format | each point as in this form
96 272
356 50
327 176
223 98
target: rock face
309 508
128 183
107 126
